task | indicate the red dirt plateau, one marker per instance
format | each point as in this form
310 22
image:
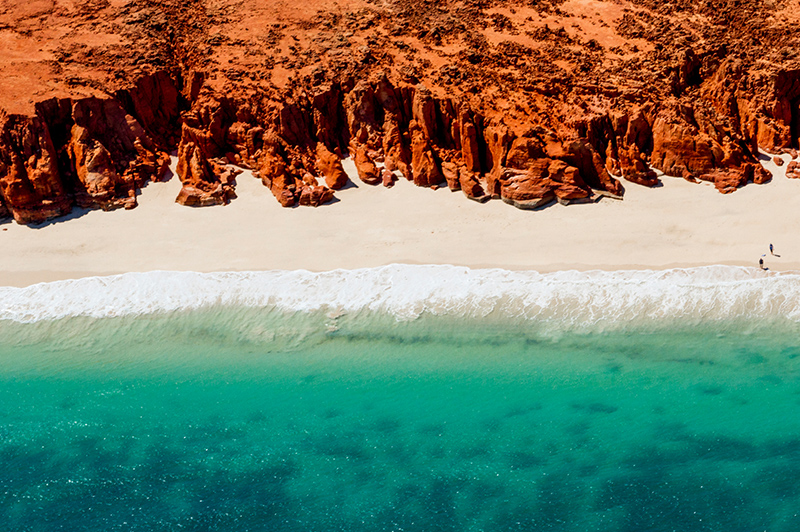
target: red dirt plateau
528 101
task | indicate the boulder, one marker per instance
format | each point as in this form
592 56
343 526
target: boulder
544 181
202 195
793 170
387 178
315 196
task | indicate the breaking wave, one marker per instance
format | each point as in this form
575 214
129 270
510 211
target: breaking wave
407 292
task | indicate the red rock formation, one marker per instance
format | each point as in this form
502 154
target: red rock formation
424 165
202 179
760 174
367 171
330 165
469 144
155 102
314 196
693 93
387 178
111 154
274 171
30 180
450 173
793 170
544 181
99 158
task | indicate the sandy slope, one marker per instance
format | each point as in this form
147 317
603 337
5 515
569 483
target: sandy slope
673 226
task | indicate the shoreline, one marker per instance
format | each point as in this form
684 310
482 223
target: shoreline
30 278
676 225
406 292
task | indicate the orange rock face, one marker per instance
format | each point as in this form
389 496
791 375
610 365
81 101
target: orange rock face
87 152
521 101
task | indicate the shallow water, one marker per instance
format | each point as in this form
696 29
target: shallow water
231 418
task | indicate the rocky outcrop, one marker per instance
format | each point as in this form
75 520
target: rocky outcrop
532 112
87 152
205 181
542 182
30 178
111 155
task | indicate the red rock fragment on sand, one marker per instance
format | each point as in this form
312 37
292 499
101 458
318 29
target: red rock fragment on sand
315 196
388 178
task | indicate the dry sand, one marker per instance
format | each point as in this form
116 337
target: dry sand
677 225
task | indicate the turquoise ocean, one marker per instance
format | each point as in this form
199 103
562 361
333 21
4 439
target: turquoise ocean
402 398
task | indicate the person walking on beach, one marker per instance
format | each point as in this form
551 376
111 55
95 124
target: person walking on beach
761 263
771 252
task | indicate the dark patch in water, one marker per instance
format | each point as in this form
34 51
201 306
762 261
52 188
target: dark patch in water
707 389
68 403
522 410
579 429
781 481
492 424
476 451
594 407
751 358
340 447
257 417
331 413
387 425
432 429
771 379
524 460
725 448
692 360
790 352
784 448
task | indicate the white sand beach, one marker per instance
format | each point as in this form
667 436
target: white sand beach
680 224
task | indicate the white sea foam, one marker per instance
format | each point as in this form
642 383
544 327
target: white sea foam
407 291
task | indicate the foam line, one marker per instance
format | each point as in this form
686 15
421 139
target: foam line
407 291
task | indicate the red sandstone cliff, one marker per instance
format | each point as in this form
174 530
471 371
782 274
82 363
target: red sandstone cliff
528 102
